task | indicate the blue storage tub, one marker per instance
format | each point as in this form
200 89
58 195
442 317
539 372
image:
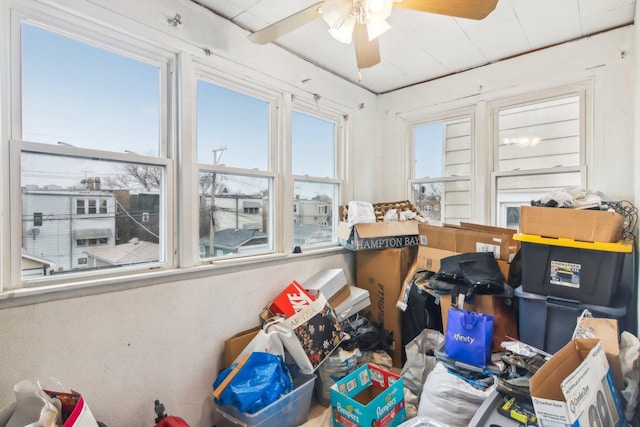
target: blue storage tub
547 322
290 410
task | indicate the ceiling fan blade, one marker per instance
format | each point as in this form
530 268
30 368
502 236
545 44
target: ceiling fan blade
471 9
286 25
367 52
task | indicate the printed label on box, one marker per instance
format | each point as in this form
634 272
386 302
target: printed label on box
588 392
388 418
386 242
565 274
486 247
291 300
550 410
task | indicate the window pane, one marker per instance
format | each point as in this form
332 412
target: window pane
313 212
234 214
312 146
443 148
58 186
448 202
232 128
541 135
86 96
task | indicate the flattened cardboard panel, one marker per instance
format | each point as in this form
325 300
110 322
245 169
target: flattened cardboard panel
382 273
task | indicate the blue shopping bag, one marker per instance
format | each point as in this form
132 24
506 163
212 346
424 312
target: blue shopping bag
469 337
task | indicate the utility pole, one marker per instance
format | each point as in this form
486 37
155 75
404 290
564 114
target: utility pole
217 154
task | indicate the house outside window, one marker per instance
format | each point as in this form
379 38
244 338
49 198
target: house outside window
442 163
539 148
316 141
234 145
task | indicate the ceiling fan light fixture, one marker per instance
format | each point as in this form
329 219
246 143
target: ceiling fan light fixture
375 6
376 29
340 19
344 32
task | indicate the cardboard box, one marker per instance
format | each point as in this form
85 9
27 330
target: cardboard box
576 388
358 300
606 330
341 296
470 238
382 273
578 224
234 345
369 396
378 235
291 300
329 282
437 243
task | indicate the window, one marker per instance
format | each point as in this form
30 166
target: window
315 143
90 139
80 207
95 132
442 165
538 150
234 146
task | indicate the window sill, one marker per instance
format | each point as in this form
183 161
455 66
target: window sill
52 292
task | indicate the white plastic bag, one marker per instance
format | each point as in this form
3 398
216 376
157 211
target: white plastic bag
359 213
34 408
39 407
630 361
419 363
450 400
266 341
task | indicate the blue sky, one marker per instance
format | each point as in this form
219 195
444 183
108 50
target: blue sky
428 141
93 98
87 97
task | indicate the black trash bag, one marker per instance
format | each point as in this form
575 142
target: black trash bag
365 335
471 273
422 312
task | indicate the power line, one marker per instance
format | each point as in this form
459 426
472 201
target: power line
135 220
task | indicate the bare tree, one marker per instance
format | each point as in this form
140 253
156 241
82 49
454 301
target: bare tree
131 176
149 177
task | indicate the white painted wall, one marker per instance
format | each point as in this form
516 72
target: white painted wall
127 348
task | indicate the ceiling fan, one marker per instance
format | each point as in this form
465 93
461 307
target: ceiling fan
363 21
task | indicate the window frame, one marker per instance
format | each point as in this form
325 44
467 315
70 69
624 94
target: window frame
582 89
412 121
340 120
118 42
204 72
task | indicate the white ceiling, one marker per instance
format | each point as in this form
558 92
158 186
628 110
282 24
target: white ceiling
423 46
